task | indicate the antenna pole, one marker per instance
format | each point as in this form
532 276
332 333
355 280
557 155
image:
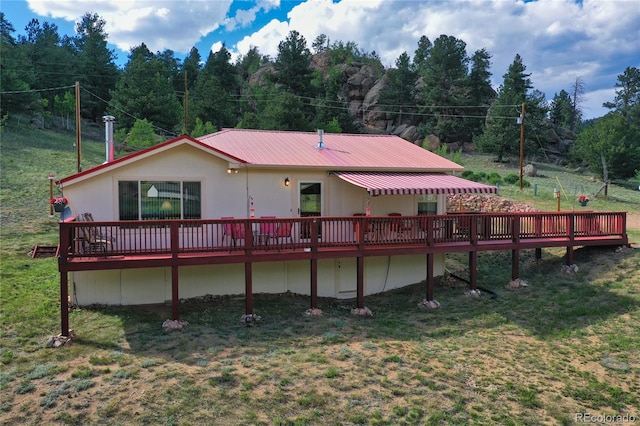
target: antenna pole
186 103
78 137
521 144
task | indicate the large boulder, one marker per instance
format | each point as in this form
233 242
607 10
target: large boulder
411 134
530 170
432 142
258 76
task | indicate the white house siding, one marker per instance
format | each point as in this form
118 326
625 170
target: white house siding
336 278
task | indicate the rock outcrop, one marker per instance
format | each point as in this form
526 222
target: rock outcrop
361 86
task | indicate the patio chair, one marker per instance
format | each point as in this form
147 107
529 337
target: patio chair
91 239
226 227
268 230
283 232
235 231
398 225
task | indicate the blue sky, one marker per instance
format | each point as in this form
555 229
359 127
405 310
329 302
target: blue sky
559 40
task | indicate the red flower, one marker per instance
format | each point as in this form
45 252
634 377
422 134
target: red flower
58 200
583 198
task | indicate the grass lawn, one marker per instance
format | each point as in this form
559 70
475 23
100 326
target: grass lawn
566 345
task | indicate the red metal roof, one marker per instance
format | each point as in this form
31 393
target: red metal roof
414 183
270 148
339 152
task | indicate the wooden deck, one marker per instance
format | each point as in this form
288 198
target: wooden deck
91 245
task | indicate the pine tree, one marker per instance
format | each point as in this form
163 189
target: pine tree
215 92
445 87
502 133
399 97
144 91
16 75
293 65
561 109
481 94
627 100
98 71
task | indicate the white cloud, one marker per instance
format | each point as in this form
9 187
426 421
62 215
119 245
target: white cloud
244 18
266 39
168 24
558 40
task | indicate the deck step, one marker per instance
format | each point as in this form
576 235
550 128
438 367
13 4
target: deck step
39 251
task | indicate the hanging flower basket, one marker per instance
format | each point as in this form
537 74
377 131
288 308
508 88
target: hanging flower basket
58 203
583 200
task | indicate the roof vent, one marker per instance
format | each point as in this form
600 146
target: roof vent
108 135
320 144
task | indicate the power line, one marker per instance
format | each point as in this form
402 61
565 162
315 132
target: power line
127 113
35 90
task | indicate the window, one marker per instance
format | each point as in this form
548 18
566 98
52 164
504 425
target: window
148 200
427 204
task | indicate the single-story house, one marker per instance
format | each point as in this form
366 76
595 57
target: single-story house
236 173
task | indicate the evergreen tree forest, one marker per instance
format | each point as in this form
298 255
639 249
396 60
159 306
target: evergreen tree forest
440 89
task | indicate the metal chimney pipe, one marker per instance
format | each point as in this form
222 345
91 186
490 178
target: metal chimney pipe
108 121
320 144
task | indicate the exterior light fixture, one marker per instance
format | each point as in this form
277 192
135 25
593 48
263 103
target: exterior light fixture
287 182
230 170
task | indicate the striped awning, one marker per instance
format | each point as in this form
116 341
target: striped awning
396 183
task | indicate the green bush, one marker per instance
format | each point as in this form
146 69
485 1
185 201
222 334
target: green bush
511 178
494 178
468 174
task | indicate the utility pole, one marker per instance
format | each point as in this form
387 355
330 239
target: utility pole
78 130
186 103
521 120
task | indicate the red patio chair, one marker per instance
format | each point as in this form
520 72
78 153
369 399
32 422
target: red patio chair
268 230
234 231
237 233
283 232
398 225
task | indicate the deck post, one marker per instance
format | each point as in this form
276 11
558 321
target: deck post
473 255
65 243
64 304
430 282
539 253
570 260
515 264
572 236
175 298
175 247
360 281
248 289
314 282
473 270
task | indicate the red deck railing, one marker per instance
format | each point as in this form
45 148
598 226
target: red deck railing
223 236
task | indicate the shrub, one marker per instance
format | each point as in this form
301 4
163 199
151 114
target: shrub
467 174
494 178
511 178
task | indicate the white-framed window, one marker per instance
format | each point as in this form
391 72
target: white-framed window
428 204
149 200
